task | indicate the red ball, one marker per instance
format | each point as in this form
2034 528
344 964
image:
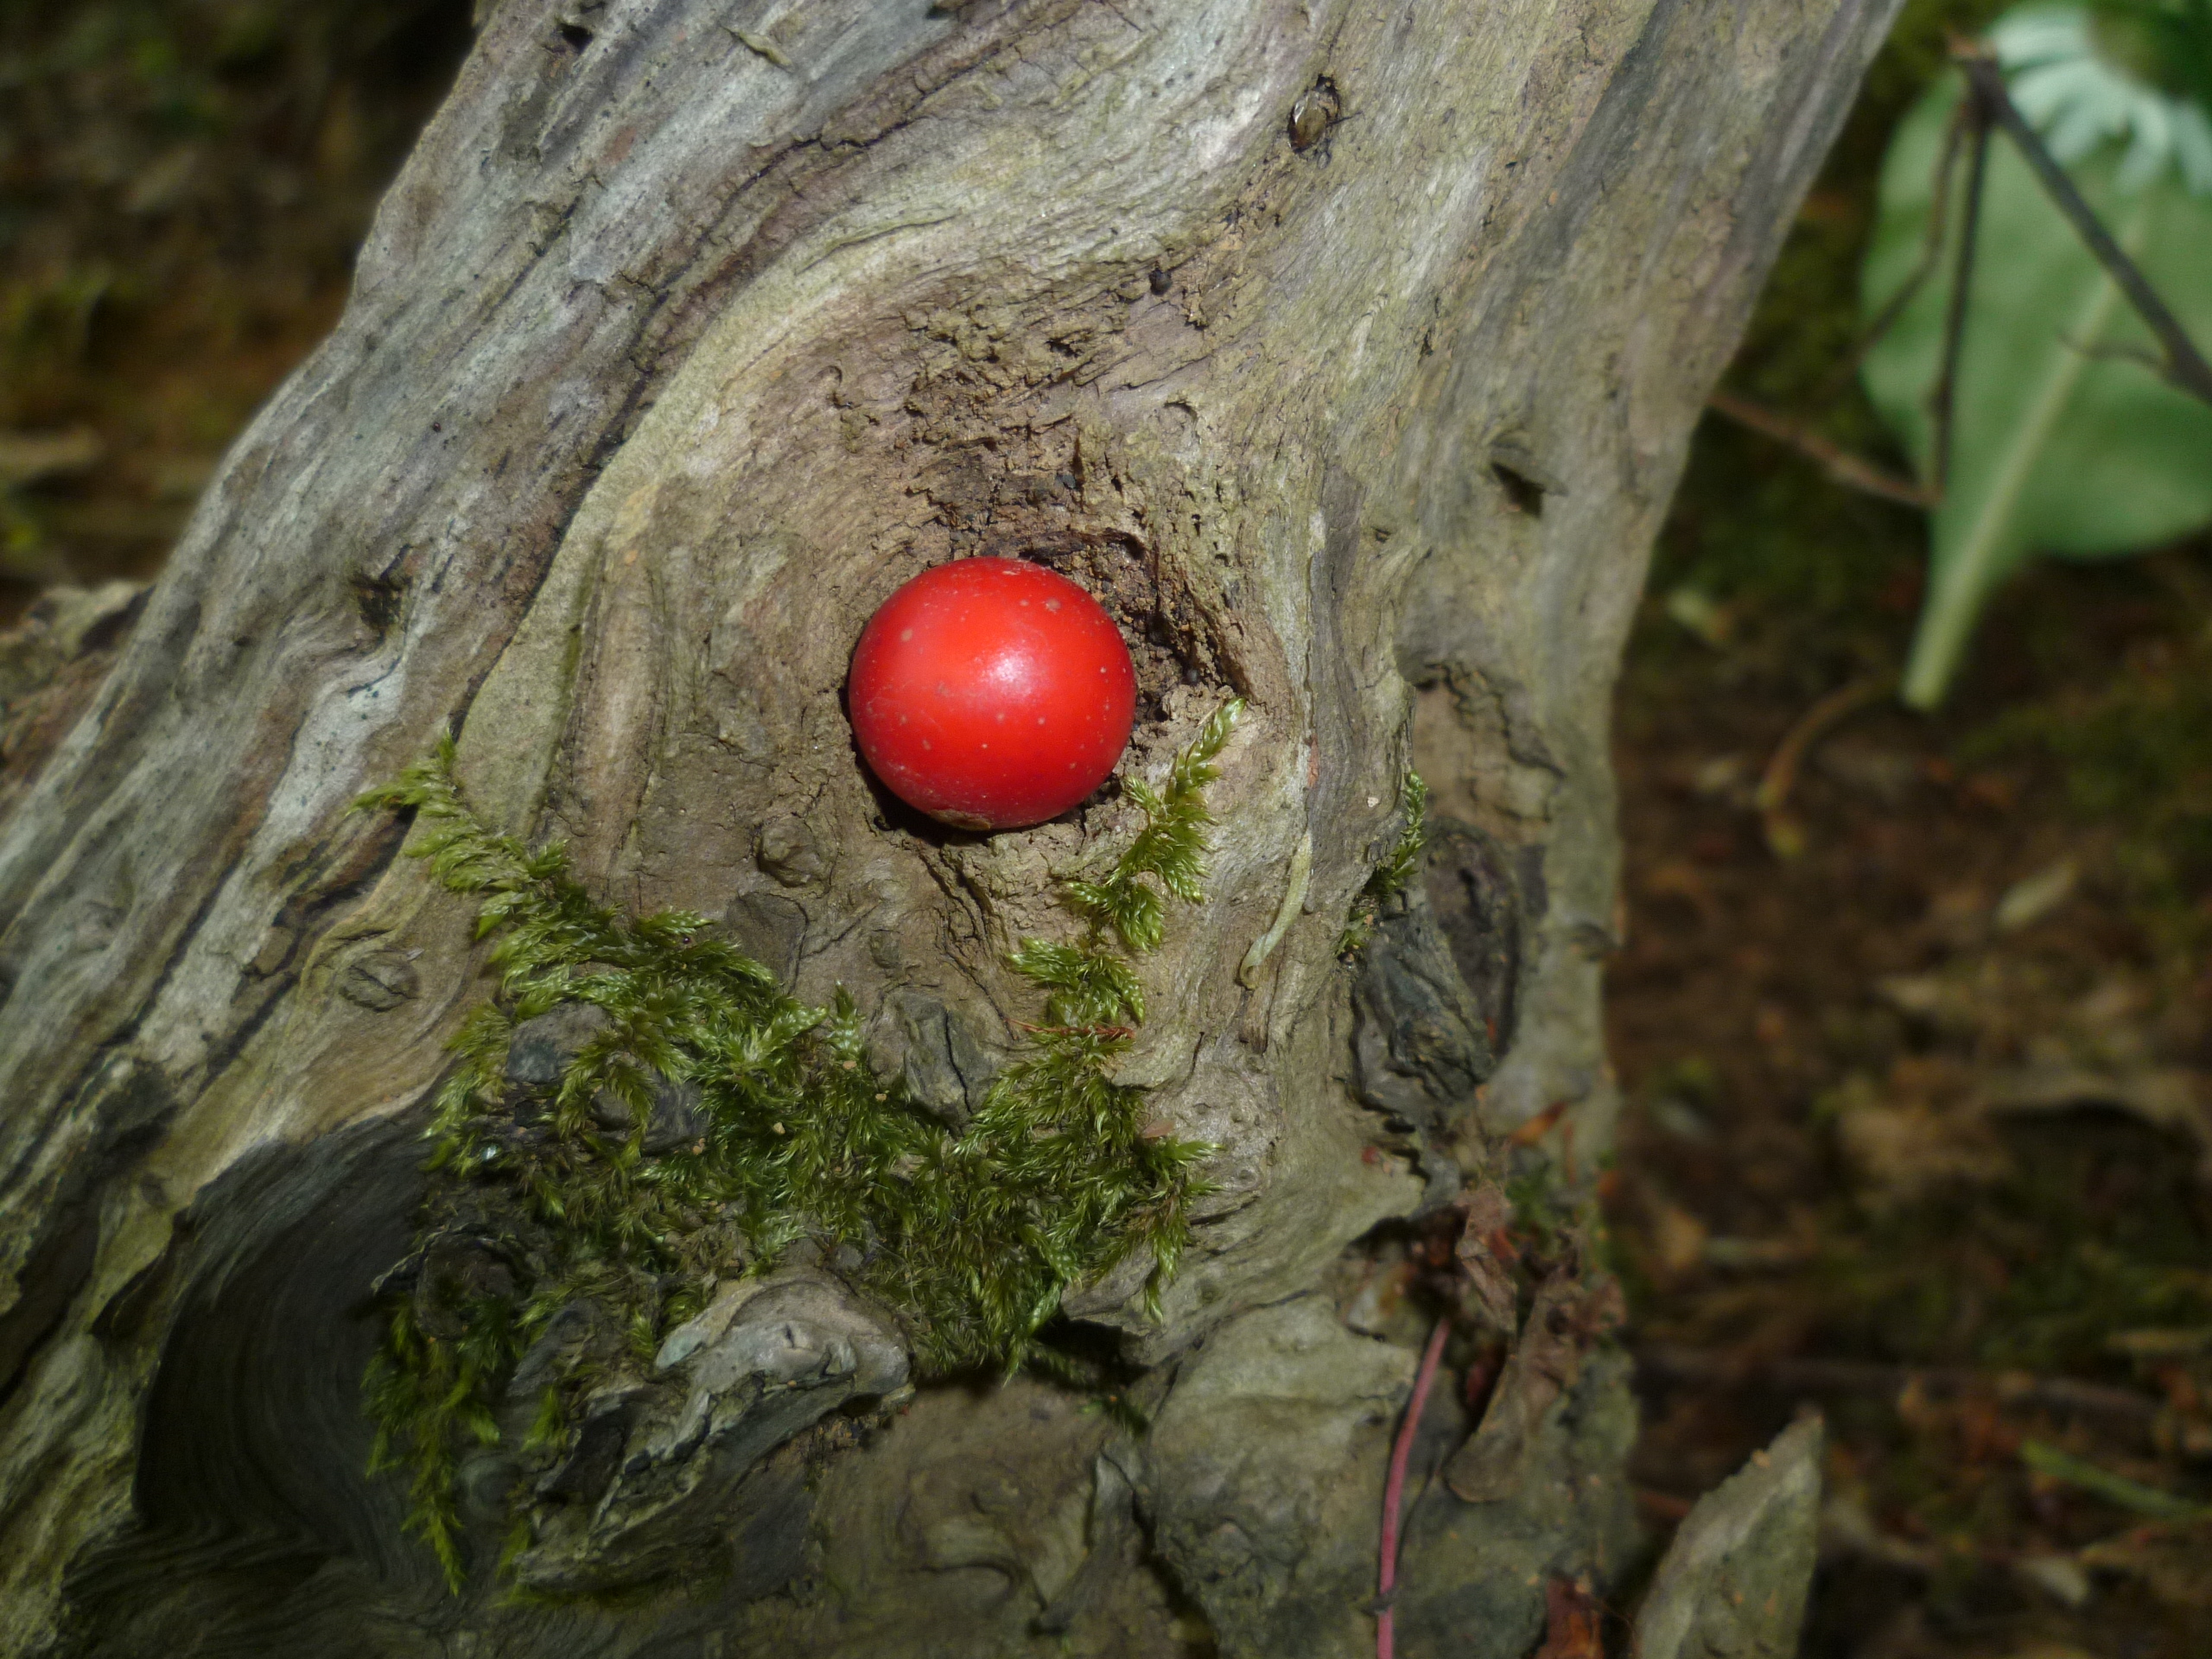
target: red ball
992 694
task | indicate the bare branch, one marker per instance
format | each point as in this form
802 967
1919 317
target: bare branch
1839 463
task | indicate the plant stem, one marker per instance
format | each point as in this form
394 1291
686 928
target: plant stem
1713 1370
1955 324
1394 1489
1784 836
2053 1464
1931 254
1957 584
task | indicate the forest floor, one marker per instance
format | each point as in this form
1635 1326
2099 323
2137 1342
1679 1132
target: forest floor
1918 1062
1917 1128
1916 1042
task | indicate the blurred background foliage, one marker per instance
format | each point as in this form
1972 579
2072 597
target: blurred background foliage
1912 1016
182 185
2064 439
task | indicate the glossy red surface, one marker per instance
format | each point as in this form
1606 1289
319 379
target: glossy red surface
991 694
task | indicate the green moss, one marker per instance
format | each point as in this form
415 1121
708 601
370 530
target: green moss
429 1397
1393 874
972 1238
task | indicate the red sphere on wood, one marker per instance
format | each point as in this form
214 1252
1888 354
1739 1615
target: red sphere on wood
992 694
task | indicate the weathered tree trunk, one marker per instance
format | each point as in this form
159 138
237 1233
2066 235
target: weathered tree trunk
1349 351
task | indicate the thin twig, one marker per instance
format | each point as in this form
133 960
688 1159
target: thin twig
1783 834
2186 364
2142 357
1954 321
1931 254
1394 1491
1839 463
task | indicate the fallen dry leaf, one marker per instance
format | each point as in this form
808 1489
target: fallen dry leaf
1573 1312
1571 1622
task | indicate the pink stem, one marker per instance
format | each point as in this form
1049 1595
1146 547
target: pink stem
1394 1489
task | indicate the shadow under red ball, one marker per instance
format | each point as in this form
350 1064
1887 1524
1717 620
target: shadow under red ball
992 694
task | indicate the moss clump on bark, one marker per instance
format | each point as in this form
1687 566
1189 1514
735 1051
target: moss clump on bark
539 1205
1390 877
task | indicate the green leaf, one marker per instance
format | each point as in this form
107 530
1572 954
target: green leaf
2062 443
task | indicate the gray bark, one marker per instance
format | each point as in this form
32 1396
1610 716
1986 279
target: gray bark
690 330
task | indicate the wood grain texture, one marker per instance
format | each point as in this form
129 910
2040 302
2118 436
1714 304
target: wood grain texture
692 329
